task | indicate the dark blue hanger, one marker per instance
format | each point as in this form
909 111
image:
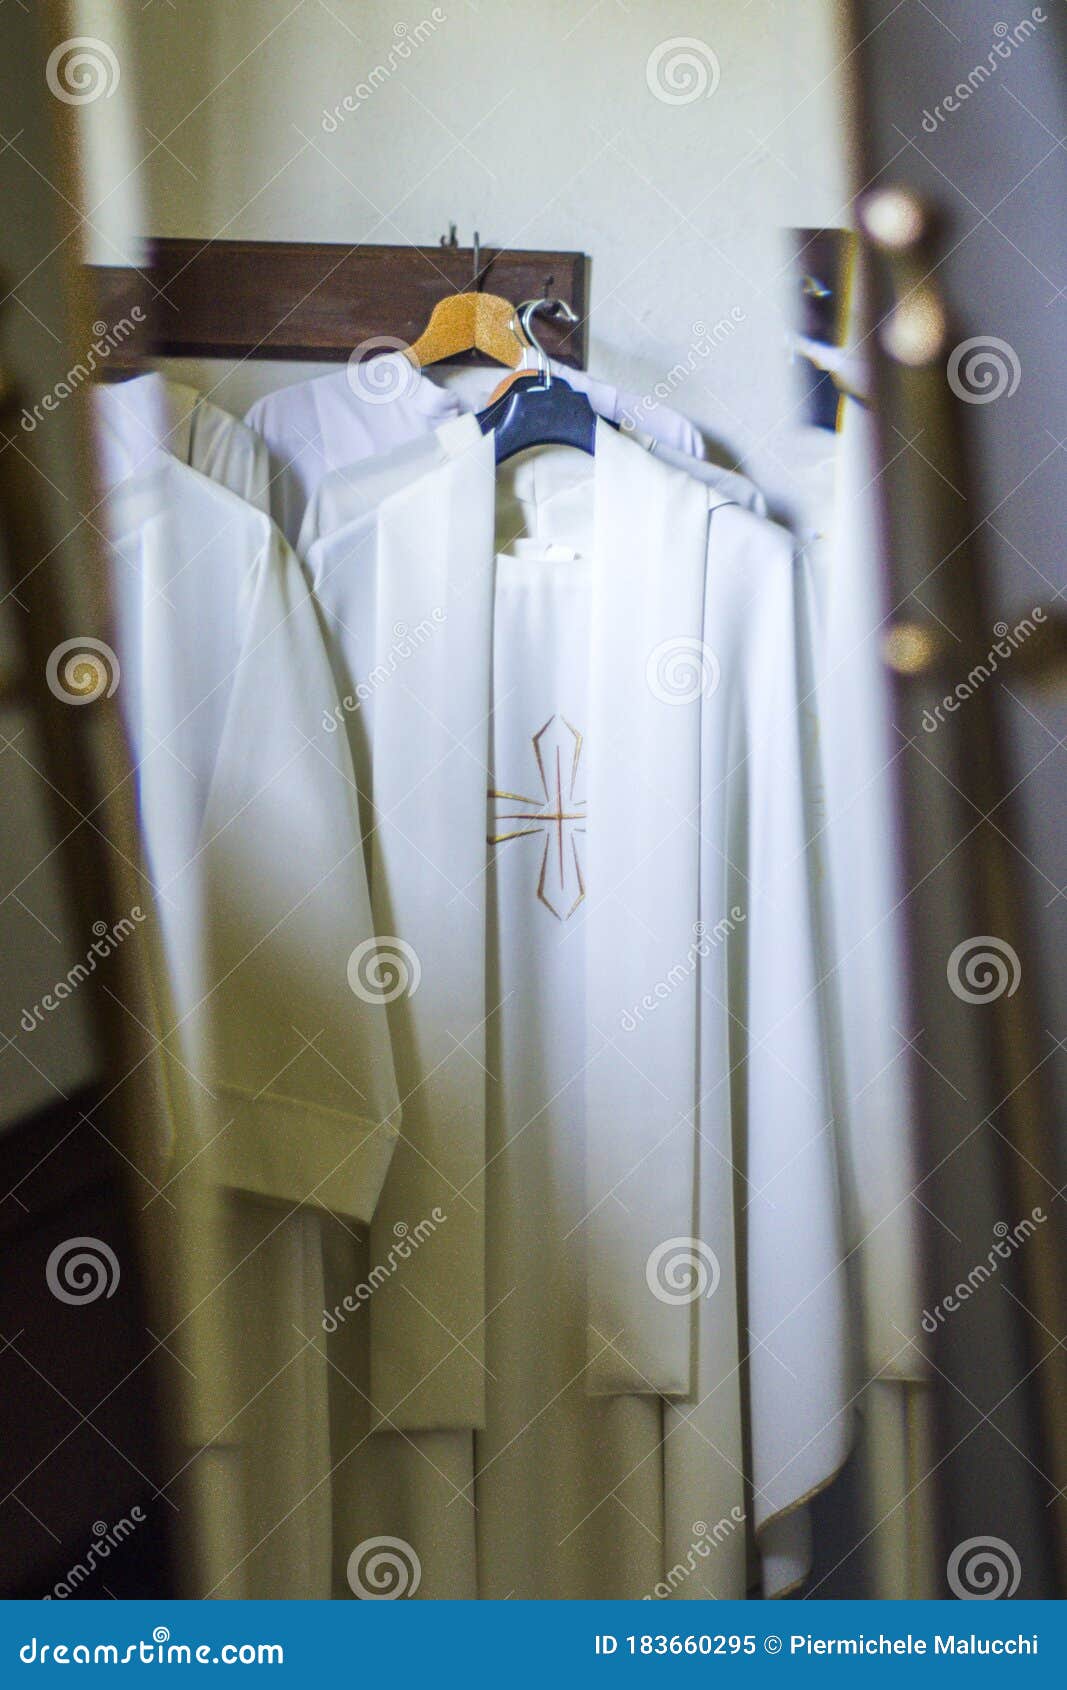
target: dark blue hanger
540 413
540 409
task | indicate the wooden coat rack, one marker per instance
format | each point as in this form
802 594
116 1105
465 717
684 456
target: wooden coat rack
304 300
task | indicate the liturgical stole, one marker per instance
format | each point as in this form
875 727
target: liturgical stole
435 567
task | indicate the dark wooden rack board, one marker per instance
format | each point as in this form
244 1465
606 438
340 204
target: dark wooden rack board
303 300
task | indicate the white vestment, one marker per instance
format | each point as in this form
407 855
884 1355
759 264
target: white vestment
282 1082
730 484
346 494
149 413
251 833
314 427
873 1101
612 1042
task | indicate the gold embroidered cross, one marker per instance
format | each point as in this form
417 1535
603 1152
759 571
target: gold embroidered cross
558 815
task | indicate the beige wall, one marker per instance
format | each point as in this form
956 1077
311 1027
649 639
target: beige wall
534 123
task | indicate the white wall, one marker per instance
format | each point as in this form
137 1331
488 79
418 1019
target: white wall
532 121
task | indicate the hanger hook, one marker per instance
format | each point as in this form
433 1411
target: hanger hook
526 313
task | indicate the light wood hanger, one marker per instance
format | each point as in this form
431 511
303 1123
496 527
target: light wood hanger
471 322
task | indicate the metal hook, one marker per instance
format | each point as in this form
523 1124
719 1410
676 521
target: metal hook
450 238
526 314
519 326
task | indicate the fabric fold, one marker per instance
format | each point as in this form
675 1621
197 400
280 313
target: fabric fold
264 1148
647 681
775 1087
434 590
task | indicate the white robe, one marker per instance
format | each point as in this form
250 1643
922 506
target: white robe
622 1405
283 1093
873 1100
315 427
343 495
730 484
620 1477
151 413
251 833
